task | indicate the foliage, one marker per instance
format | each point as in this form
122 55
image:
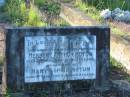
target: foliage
33 17
1 60
40 3
117 31
120 69
20 16
48 6
115 64
13 11
90 10
66 1
111 4
51 9
7 93
128 78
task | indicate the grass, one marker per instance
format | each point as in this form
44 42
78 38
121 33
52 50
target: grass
111 4
128 78
90 10
3 14
33 17
21 16
94 12
1 60
59 22
118 71
18 15
51 9
115 64
117 31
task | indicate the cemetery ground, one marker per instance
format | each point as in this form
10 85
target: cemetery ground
92 17
118 72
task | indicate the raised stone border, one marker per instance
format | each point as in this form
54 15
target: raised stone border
2 54
120 49
2 40
15 48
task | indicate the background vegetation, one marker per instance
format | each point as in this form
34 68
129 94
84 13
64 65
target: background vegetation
50 8
40 13
111 4
19 15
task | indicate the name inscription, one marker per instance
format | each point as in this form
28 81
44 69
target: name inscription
59 58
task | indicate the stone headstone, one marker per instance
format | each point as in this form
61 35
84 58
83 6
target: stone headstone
40 57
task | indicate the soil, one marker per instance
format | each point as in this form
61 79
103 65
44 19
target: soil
118 74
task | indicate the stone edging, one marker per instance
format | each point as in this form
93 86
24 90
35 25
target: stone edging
120 49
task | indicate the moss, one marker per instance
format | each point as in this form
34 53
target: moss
115 64
2 60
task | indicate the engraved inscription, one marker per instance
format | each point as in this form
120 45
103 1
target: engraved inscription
59 58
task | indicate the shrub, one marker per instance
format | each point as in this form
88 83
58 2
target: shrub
50 7
20 16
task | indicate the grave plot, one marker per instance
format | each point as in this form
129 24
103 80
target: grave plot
54 59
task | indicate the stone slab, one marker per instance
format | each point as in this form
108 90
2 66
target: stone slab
15 55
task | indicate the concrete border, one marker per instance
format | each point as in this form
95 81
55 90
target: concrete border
120 47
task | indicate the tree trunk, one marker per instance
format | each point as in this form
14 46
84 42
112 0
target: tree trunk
28 3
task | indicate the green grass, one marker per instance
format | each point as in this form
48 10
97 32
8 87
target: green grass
2 60
111 4
50 7
120 69
21 16
89 10
117 31
115 64
40 3
128 79
33 17
60 22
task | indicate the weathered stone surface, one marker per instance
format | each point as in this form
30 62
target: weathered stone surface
2 41
74 17
57 58
120 49
16 51
2 56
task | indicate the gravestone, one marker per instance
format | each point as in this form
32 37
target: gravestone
40 58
